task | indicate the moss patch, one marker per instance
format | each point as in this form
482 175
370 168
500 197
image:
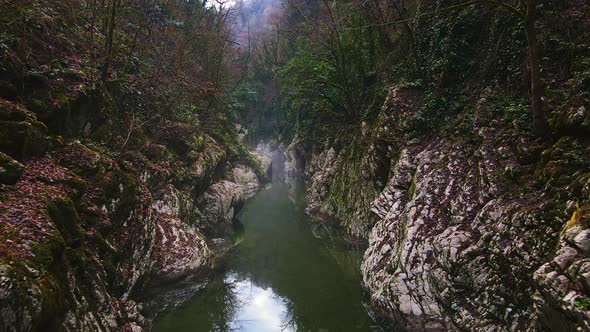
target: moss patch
63 214
10 169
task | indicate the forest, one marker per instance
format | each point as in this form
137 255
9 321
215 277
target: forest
359 165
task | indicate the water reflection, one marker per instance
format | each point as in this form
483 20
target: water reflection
279 278
258 309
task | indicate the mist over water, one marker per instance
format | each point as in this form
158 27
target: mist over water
254 18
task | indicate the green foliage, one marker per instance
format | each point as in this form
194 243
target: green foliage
404 84
581 76
513 111
441 44
428 119
322 71
309 94
339 60
582 302
245 95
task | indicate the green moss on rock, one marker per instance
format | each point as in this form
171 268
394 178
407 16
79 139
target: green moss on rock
10 169
563 166
122 191
412 189
21 135
63 214
48 252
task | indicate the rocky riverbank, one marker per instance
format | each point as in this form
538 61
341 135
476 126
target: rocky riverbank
86 226
482 233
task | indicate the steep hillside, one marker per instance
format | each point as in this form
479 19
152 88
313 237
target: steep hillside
474 221
114 176
476 233
86 228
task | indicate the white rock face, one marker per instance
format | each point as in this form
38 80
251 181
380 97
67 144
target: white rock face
294 162
224 198
320 171
264 153
180 248
246 180
563 282
459 244
441 244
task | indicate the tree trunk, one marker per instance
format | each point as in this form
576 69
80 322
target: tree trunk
109 39
539 123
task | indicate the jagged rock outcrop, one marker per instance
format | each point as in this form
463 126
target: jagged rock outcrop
264 153
449 251
343 183
563 284
466 226
84 232
294 166
225 198
180 248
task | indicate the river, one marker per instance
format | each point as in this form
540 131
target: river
280 277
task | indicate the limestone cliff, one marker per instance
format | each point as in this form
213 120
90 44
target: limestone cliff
483 232
86 226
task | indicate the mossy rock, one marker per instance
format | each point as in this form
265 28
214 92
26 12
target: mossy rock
178 137
8 112
412 190
21 135
78 184
52 289
63 214
562 161
42 108
79 158
10 169
48 283
49 252
46 308
121 189
103 133
156 152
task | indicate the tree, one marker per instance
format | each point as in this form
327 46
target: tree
528 15
109 40
539 122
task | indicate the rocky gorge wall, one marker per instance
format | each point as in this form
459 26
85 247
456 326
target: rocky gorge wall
84 230
483 232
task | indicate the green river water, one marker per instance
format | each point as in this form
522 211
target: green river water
279 278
